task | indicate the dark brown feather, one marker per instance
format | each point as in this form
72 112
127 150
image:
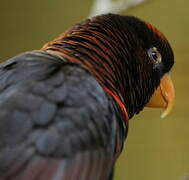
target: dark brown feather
113 49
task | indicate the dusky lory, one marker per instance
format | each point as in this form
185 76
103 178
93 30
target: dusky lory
65 109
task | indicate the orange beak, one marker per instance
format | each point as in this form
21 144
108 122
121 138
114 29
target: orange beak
164 96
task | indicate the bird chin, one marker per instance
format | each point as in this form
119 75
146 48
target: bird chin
164 96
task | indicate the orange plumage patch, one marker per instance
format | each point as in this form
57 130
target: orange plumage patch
155 30
120 103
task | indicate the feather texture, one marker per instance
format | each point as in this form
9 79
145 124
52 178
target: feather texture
113 49
64 110
62 124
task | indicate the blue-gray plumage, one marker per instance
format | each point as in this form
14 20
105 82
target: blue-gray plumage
53 112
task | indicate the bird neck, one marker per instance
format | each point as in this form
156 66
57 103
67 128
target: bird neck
106 78
120 103
104 53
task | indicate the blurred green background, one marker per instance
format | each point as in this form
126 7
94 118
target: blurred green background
156 149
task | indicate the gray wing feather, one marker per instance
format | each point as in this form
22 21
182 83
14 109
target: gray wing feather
56 122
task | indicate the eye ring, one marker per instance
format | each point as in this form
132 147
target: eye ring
154 55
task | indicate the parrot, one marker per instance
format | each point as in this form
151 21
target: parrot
65 108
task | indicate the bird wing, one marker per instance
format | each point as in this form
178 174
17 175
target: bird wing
56 122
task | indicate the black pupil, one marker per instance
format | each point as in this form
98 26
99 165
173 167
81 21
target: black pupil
154 55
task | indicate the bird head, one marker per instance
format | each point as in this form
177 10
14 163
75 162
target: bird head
156 60
128 56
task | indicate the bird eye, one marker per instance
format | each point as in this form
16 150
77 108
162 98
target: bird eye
154 55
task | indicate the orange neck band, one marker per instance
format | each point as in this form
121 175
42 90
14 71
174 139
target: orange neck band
119 102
